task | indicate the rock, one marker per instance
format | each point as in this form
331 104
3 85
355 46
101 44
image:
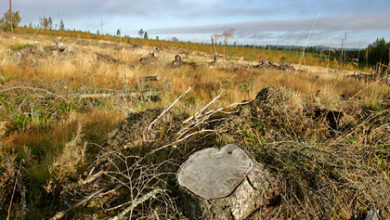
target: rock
225 184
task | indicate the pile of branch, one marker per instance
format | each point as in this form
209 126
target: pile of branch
270 65
370 77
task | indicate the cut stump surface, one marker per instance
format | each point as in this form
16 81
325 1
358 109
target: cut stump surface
215 173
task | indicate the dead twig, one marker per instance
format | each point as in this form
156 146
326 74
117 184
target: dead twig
92 178
197 121
137 202
169 145
204 108
162 113
12 197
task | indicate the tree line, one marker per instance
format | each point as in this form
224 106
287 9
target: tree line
44 22
47 23
378 51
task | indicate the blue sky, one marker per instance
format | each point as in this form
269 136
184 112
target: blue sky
283 22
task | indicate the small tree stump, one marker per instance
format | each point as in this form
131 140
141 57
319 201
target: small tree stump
225 184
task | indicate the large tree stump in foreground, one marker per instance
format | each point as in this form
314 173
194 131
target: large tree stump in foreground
225 184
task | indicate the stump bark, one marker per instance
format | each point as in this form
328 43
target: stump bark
225 183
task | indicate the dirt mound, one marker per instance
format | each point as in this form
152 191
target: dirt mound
134 175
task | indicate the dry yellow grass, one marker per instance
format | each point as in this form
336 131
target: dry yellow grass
83 70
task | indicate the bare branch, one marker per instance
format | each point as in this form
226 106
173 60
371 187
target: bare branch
204 108
137 202
162 113
12 198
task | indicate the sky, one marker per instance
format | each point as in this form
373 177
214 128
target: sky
260 22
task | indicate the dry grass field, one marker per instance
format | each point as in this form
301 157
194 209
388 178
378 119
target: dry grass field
59 102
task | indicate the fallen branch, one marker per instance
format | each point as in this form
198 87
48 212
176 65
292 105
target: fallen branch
92 178
105 95
137 202
82 96
28 88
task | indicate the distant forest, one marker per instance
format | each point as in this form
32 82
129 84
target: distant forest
378 51
375 52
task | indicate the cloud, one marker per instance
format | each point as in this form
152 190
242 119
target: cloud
336 23
327 31
145 8
274 21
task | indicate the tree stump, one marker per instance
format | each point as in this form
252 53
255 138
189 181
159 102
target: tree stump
225 183
177 61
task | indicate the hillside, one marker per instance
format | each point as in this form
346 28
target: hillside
71 107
